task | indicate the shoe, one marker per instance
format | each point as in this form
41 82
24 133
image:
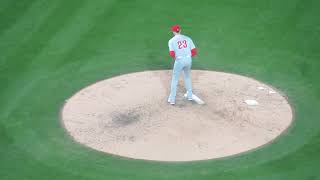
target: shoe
172 103
188 98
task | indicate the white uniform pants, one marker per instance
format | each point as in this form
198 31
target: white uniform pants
183 64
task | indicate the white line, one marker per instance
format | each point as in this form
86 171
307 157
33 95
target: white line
195 98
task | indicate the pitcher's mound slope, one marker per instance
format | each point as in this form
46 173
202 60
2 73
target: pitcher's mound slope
128 115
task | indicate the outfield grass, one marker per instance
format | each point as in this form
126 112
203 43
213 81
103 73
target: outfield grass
51 49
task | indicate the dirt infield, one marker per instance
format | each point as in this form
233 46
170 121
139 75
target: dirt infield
128 115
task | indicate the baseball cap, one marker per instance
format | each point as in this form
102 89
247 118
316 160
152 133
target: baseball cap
175 28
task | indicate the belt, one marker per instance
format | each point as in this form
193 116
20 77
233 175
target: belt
180 57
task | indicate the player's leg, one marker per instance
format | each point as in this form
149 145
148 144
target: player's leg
174 82
187 77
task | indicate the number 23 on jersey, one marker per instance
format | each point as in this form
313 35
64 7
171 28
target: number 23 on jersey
182 44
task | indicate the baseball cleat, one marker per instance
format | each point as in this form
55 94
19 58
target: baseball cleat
171 102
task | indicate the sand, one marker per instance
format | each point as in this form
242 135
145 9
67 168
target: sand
129 116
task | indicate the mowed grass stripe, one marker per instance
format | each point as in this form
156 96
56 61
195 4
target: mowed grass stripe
15 70
14 40
56 42
103 46
18 38
29 81
296 165
32 77
70 38
11 11
22 31
39 39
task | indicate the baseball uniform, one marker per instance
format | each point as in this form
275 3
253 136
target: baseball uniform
182 49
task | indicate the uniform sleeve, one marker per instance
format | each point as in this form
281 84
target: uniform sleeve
171 50
170 46
192 46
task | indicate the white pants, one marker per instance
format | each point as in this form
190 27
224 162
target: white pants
183 64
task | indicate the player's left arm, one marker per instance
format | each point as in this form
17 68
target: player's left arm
193 48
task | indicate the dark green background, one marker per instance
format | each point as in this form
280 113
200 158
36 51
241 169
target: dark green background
51 49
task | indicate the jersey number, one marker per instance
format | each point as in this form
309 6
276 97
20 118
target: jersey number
182 44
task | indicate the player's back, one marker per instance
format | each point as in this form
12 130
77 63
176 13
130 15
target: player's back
181 45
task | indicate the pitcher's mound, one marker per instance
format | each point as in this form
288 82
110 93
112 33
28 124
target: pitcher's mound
129 116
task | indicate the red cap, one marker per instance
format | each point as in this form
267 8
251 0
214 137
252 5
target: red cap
175 28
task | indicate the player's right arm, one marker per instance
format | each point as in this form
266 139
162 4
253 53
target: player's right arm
171 50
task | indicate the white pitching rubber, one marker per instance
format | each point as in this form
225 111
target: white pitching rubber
195 98
251 102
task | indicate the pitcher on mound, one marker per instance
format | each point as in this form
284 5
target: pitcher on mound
181 49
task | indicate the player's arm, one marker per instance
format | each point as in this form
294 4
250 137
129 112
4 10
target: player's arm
193 48
171 51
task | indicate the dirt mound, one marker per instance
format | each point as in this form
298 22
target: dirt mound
128 115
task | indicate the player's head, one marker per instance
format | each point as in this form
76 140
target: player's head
176 29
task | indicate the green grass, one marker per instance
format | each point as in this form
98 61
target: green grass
51 49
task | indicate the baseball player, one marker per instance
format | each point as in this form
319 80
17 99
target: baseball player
181 49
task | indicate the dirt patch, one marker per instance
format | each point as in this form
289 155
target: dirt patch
128 115
122 119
